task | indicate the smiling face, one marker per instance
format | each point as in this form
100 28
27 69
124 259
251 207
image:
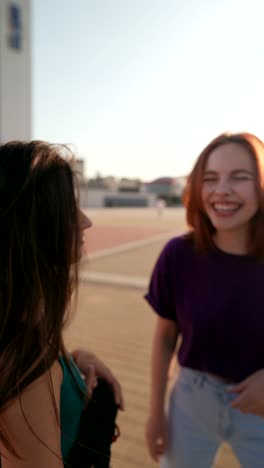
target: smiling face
229 191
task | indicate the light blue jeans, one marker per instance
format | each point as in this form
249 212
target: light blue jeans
200 419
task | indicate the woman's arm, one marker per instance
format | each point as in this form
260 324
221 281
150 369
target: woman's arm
164 343
42 448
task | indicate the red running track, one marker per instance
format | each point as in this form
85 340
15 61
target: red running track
104 236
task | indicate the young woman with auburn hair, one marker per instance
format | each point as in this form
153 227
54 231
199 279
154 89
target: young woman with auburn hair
196 217
42 392
207 288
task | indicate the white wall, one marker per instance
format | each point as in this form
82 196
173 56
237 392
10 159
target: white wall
15 73
90 198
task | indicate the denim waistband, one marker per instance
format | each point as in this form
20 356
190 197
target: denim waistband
201 378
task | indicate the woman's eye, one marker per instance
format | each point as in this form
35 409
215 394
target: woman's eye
241 178
209 179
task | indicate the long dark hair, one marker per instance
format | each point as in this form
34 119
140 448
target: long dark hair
202 228
39 253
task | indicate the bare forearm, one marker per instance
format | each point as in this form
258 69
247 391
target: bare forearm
163 350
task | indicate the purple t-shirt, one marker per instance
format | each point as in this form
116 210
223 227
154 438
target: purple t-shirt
217 301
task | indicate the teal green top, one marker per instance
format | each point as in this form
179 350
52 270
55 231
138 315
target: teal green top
71 404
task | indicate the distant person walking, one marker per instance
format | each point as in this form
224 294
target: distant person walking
160 206
207 287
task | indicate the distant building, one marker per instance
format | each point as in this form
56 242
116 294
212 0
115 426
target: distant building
112 198
103 183
99 192
15 70
163 186
79 169
130 185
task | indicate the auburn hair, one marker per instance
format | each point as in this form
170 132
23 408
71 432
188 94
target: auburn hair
202 230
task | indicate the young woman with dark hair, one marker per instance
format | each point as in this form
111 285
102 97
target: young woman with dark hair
207 289
42 392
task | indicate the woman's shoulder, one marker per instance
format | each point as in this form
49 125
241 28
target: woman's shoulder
50 380
182 243
32 422
176 252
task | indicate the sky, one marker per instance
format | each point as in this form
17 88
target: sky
139 87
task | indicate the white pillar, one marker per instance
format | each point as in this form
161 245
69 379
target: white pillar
15 70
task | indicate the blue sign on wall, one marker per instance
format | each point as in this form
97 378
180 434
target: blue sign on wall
14 27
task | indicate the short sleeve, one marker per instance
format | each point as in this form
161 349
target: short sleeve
161 293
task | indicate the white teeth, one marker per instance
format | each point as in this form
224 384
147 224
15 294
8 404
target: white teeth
224 207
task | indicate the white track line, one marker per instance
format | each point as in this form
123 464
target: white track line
128 246
115 280
135 282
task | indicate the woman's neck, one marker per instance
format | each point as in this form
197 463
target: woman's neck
232 242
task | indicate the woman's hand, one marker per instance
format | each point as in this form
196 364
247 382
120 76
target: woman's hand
157 436
92 368
250 392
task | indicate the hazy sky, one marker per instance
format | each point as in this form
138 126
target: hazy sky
139 87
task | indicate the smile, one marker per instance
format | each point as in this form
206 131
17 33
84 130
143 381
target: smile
226 208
